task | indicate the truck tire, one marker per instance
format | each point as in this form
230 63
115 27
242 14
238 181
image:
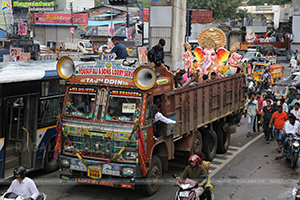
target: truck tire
223 135
154 173
196 146
50 163
210 142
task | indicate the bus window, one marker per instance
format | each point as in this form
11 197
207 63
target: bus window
49 109
29 49
14 43
29 42
22 42
50 87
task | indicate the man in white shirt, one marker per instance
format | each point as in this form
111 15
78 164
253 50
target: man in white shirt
284 105
296 111
23 186
294 66
160 118
290 127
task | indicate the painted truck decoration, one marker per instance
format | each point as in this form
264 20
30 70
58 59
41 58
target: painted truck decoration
106 127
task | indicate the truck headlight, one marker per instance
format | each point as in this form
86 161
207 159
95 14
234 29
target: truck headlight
67 148
130 155
65 163
127 171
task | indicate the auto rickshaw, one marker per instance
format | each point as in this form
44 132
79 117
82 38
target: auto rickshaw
275 70
56 46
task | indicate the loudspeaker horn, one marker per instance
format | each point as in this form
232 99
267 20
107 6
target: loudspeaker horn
144 78
65 67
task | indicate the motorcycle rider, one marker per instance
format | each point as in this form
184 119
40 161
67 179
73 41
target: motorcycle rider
23 186
291 95
193 171
266 75
290 127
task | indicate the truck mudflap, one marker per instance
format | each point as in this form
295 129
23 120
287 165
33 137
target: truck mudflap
119 183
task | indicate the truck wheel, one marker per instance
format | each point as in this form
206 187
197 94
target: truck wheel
223 135
209 144
50 163
154 174
196 146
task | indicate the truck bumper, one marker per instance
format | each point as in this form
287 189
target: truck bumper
120 183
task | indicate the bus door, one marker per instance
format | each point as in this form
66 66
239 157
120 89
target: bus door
20 130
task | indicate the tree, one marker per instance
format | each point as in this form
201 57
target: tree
273 2
221 9
100 2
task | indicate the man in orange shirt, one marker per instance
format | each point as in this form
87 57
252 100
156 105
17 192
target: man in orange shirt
279 117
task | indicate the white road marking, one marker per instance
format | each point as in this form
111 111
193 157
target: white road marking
234 147
229 158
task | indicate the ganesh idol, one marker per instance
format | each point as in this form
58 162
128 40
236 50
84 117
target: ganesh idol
211 54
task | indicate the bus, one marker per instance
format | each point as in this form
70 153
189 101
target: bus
31 95
27 45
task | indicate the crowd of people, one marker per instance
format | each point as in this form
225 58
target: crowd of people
277 118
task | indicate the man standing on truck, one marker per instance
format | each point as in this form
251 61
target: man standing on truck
156 55
119 49
159 117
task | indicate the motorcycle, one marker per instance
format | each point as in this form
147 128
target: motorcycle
293 151
14 196
185 191
264 83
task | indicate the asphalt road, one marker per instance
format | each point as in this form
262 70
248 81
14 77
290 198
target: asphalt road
250 169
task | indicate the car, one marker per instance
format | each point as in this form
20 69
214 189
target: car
281 87
250 54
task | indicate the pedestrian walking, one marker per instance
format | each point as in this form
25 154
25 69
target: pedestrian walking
259 100
296 111
279 117
284 105
251 108
266 117
275 105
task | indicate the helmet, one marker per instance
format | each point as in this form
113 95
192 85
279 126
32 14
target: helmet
292 88
194 158
20 170
269 90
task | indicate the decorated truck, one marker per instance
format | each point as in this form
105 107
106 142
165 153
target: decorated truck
106 129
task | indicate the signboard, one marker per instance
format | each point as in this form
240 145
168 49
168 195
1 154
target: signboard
201 16
128 33
146 15
72 30
60 18
36 4
81 30
25 57
111 30
15 54
102 68
22 28
128 108
143 58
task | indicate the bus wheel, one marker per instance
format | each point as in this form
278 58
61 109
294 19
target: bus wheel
209 144
153 175
50 163
223 134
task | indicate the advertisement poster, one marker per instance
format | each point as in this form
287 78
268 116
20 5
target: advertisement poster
22 29
15 53
72 30
60 18
25 57
128 33
7 58
142 51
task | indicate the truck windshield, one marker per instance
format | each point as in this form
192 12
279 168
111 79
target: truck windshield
123 106
80 102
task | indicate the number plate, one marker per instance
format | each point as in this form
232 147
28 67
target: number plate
184 194
94 173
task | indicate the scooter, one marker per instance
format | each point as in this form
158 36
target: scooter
293 151
185 191
14 196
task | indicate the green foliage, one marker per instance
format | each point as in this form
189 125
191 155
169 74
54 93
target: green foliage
221 9
273 2
100 2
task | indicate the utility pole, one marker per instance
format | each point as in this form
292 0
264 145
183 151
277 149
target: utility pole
72 19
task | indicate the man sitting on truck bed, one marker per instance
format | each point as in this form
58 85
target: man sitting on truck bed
156 55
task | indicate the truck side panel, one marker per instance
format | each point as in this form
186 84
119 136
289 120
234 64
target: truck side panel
202 104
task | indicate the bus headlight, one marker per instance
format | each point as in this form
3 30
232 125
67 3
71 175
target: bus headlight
127 171
65 163
130 155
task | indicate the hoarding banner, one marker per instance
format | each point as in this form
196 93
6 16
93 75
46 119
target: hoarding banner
59 18
22 29
201 16
146 15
